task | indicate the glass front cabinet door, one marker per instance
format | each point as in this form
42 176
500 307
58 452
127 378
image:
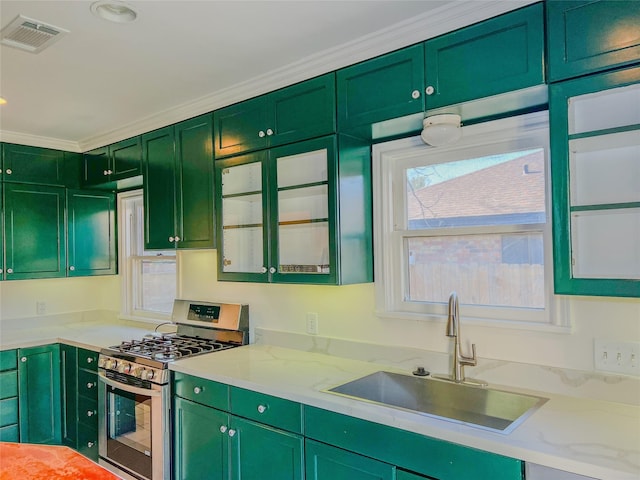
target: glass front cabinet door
279 215
595 124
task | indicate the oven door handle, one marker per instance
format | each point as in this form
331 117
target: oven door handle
129 388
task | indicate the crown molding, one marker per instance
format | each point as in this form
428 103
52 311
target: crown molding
38 141
445 18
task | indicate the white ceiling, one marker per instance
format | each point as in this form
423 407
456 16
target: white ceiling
105 81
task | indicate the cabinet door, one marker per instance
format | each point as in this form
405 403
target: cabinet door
380 89
39 400
33 165
69 389
242 218
95 166
159 189
1 232
194 177
588 36
595 146
201 449
91 233
263 452
324 462
34 230
503 54
241 127
125 159
302 111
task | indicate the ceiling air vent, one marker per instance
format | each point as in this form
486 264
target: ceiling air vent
30 35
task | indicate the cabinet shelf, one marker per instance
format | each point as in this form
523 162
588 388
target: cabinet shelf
605 206
303 222
605 131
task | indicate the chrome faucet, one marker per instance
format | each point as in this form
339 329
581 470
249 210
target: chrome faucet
453 330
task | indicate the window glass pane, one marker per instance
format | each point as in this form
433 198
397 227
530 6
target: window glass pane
499 189
486 269
158 285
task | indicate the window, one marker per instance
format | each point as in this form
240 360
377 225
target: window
470 218
149 276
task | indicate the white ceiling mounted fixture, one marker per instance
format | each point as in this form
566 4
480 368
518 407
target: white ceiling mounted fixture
443 129
30 35
114 11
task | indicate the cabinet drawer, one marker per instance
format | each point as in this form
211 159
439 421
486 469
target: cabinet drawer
88 359
88 443
8 360
206 392
8 384
266 409
87 384
10 433
88 412
8 411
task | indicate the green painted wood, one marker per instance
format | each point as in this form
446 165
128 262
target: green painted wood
402 475
200 390
237 127
559 95
324 462
10 433
74 165
87 384
499 55
125 158
302 111
200 449
91 233
411 451
33 165
39 399
69 392
2 274
95 165
381 88
194 180
265 453
158 152
590 36
8 360
88 359
266 409
8 411
34 231
88 443
8 384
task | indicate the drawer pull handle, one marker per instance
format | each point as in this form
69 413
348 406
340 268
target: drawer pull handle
232 432
197 390
223 428
262 408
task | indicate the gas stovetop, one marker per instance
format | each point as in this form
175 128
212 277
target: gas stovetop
167 347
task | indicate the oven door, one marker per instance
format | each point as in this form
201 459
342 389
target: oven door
134 428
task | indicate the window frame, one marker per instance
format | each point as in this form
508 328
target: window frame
130 286
391 159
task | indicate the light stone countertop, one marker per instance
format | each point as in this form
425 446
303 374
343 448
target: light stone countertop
588 437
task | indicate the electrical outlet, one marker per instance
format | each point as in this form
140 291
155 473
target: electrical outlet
41 308
312 323
617 357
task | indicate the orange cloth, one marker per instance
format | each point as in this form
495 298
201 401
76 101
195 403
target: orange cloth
23 461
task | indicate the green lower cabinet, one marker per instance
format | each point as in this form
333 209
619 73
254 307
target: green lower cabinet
39 394
200 449
69 388
9 431
324 462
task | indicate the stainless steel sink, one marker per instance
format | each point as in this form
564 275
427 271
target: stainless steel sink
486 408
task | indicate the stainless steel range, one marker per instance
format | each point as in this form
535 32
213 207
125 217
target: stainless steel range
134 385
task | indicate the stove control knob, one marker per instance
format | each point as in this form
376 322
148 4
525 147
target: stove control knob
148 374
101 362
124 367
135 371
111 364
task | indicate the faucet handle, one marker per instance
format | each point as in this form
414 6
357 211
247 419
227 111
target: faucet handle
471 361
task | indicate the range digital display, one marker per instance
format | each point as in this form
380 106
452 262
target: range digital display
204 313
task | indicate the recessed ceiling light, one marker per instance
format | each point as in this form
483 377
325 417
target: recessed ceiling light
114 11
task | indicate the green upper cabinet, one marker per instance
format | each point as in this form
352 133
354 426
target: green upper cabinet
590 36
27 164
34 231
91 233
178 185
301 111
39 397
109 166
595 152
298 213
380 89
499 55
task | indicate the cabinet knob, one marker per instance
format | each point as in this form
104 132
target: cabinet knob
91 385
105 172
261 134
109 172
269 132
91 413
89 359
262 408
72 268
415 94
8 171
232 432
429 90
23 359
223 428
9 270
263 269
272 270
177 239
171 239
90 444
197 390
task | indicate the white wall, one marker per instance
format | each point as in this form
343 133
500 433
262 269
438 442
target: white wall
348 312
